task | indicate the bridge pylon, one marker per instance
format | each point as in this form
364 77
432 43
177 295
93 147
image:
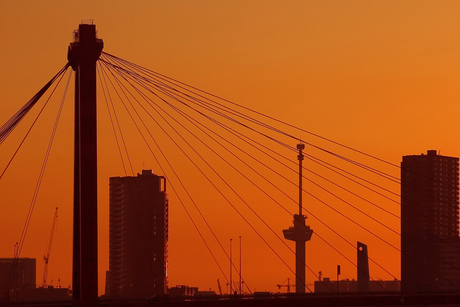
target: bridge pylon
83 53
300 233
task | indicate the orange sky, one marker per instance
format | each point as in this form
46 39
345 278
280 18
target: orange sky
379 76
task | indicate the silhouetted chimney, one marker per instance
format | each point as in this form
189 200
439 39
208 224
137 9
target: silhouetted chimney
363 268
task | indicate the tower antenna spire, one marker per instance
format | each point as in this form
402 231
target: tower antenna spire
300 157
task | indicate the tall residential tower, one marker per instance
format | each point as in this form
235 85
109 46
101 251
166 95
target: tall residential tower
138 236
430 249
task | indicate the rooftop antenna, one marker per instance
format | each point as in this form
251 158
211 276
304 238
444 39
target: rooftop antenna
300 157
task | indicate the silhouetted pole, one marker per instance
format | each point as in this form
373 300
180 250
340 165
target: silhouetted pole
231 264
83 54
15 272
300 233
241 289
338 274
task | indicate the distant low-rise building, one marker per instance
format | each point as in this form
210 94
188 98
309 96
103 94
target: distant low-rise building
49 294
181 291
16 274
18 283
326 285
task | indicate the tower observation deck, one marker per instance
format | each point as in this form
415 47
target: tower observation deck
300 233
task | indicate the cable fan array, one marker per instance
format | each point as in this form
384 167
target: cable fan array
234 135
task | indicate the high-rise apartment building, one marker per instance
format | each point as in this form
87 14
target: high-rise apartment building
138 236
430 249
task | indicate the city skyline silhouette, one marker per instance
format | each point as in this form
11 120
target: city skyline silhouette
367 120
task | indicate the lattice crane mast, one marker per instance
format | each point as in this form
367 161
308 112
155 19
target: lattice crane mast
46 257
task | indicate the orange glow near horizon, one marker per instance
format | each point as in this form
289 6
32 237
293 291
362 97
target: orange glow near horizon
380 76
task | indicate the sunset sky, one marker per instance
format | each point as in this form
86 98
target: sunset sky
378 76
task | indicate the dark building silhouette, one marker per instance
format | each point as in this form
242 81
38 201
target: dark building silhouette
16 275
363 268
326 285
430 248
363 284
18 283
182 291
50 294
138 242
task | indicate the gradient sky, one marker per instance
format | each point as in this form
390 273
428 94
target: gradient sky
379 76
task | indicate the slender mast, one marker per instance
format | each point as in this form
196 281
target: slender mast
231 264
300 147
241 289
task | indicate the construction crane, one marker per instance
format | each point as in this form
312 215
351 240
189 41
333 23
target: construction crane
46 257
288 285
